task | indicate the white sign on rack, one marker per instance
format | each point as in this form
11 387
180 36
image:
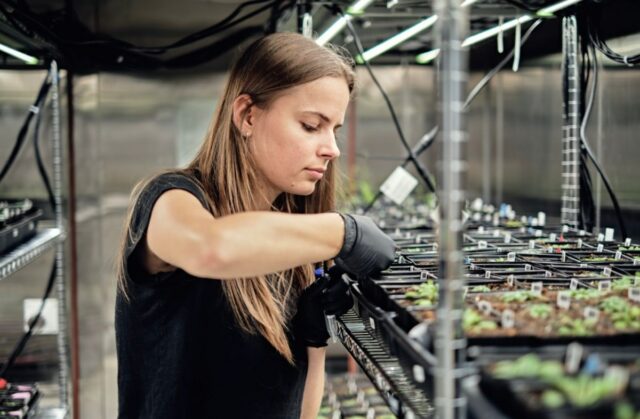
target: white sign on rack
398 185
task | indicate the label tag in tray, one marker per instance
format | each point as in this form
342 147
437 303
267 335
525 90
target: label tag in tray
618 255
482 244
591 313
487 274
424 275
508 319
536 288
574 284
563 256
606 271
563 300
634 294
552 237
511 280
548 274
527 267
604 285
511 257
507 237
485 306
532 244
600 248
579 245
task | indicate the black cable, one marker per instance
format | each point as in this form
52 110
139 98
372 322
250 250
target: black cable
587 148
482 83
22 134
422 171
17 350
41 168
593 20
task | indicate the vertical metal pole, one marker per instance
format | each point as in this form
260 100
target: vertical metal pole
599 142
450 343
57 192
499 140
571 127
486 145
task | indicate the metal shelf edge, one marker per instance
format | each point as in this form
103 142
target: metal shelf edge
27 252
52 413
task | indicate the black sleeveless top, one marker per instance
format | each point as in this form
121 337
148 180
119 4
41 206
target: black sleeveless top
180 352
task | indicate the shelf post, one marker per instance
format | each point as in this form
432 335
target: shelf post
63 373
571 124
450 345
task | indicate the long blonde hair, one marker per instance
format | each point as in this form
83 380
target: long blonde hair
224 169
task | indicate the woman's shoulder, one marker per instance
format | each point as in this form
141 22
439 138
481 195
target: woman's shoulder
151 189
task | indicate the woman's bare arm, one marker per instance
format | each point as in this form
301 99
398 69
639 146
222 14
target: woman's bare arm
314 384
183 234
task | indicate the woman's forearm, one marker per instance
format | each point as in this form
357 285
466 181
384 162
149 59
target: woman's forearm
314 384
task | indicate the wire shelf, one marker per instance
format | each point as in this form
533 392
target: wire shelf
51 413
29 251
383 369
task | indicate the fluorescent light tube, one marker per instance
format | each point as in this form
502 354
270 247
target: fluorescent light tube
338 25
19 55
398 38
429 56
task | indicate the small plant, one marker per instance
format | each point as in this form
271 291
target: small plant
629 248
540 311
576 327
614 304
585 294
623 283
528 366
473 321
425 294
599 259
517 296
481 288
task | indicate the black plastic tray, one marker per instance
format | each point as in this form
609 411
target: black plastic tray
18 232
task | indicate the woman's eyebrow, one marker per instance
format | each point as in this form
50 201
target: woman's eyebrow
322 116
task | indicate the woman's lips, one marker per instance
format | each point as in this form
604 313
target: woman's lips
315 173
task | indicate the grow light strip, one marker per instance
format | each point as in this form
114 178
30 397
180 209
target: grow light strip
19 55
429 56
397 39
339 25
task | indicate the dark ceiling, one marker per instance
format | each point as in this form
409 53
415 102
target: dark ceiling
120 35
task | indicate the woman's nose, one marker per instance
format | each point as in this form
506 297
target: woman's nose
329 148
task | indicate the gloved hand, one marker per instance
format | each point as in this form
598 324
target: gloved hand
367 250
324 296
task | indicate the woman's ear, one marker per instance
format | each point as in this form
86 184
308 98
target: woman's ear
243 114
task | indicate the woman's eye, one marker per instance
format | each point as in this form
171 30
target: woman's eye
309 128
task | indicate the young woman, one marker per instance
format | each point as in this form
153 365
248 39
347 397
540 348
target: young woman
218 314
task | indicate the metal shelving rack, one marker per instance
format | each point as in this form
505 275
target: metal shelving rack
45 240
451 376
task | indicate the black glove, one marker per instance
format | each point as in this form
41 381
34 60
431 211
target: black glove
324 296
367 250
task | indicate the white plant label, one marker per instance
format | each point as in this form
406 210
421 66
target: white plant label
582 233
542 218
608 234
485 307
496 233
600 237
563 300
536 287
487 274
424 275
579 244
507 238
538 233
604 285
600 247
510 280
511 257
398 185
627 241
532 244
527 267
401 259
574 355
591 313
552 237
565 229
563 256
508 319
482 244
618 255
634 294
574 284
548 274
606 272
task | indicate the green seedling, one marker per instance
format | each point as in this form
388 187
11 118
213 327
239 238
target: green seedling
599 259
528 366
576 327
552 399
517 296
474 322
481 288
584 294
623 283
540 311
425 294
614 304
629 248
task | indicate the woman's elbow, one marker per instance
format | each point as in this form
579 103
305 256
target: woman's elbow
211 260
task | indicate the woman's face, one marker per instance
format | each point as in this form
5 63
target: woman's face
294 138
